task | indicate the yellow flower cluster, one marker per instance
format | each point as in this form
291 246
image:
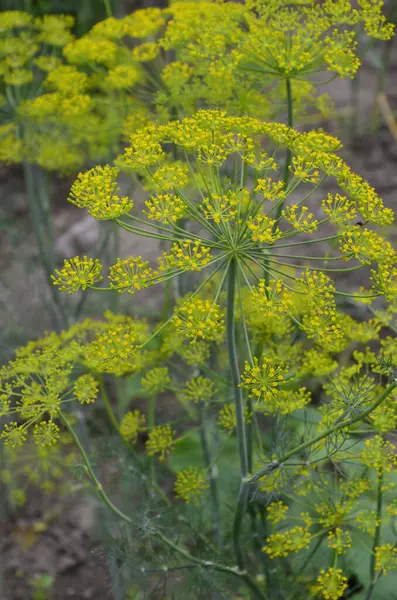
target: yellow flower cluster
164 208
111 350
130 275
97 190
271 298
339 540
85 389
160 441
227 417
77 274
156 380
263 380
385 558
379 454
331 584
131 425
276 512
300 218
187 255
190 485
199 389
199 318
292 540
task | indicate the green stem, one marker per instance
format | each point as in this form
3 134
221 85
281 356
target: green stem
239 409
215 566
346 423
202 563
212 474
151 421
288 155
90 472
108 8
39 215
379 503
109 409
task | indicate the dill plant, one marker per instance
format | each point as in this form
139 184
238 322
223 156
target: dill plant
259 332
254 348
66 101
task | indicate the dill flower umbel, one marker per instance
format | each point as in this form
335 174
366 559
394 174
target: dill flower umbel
86 389
199 389
190 485
77 274
386 558
199 319
331 584
156 380
263 380
130 275
227 417
293 540
161 441
131 425
98 191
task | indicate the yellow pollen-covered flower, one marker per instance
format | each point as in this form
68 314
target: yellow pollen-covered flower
386 558
292 540
164 208
271 298
46 433
145 52
122 77
160 441
156 380
171 177
300 219
66 79
264 229
339 209
86 389
77 273
262 380
198 389
227 417
130 275
111 350
14 435
340 540
270 189
379 454
331 584
187 255
97 190
190 485
199 319
132 423
276 512
366 246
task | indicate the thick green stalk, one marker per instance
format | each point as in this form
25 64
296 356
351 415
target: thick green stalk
108 8
212 475
345 423
151 422
239 409
288 154
379 505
